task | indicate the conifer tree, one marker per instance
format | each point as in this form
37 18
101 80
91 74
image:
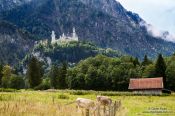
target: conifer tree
160 68
34 72
136 62
170 76
54 77
62 76
146 61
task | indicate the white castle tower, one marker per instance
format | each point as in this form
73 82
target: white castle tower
63 38
53 37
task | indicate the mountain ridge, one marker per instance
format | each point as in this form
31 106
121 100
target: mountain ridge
104 23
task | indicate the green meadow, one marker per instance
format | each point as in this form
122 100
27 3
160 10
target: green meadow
54 103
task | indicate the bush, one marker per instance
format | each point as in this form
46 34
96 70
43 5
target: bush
62 96
5 82
80 92
6 72
44 85
16 82
116 93
7 90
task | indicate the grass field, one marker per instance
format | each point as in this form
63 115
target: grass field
52 103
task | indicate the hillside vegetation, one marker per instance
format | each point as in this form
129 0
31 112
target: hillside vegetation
94 73
71 52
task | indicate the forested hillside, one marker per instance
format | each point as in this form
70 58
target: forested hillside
71 52
94 73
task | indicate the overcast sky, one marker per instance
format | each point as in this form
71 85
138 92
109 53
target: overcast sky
159 13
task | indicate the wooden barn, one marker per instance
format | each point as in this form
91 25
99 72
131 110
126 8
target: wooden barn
152 86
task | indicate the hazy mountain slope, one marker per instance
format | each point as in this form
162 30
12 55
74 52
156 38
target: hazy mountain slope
103 22
14 43
10 4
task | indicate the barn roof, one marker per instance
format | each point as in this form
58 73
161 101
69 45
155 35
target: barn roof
146 83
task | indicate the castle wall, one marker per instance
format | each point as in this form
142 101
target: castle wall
64 38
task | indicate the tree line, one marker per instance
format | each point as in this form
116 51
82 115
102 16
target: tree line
94 73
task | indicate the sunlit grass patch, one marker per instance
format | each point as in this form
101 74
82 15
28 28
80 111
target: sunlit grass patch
44 103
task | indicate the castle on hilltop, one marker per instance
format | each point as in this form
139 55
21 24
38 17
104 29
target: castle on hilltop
64 38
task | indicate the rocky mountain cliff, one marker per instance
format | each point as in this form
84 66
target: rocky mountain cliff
14 43
103 22
10 4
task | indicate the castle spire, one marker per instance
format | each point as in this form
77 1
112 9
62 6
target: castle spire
74 35
74 30
53 37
